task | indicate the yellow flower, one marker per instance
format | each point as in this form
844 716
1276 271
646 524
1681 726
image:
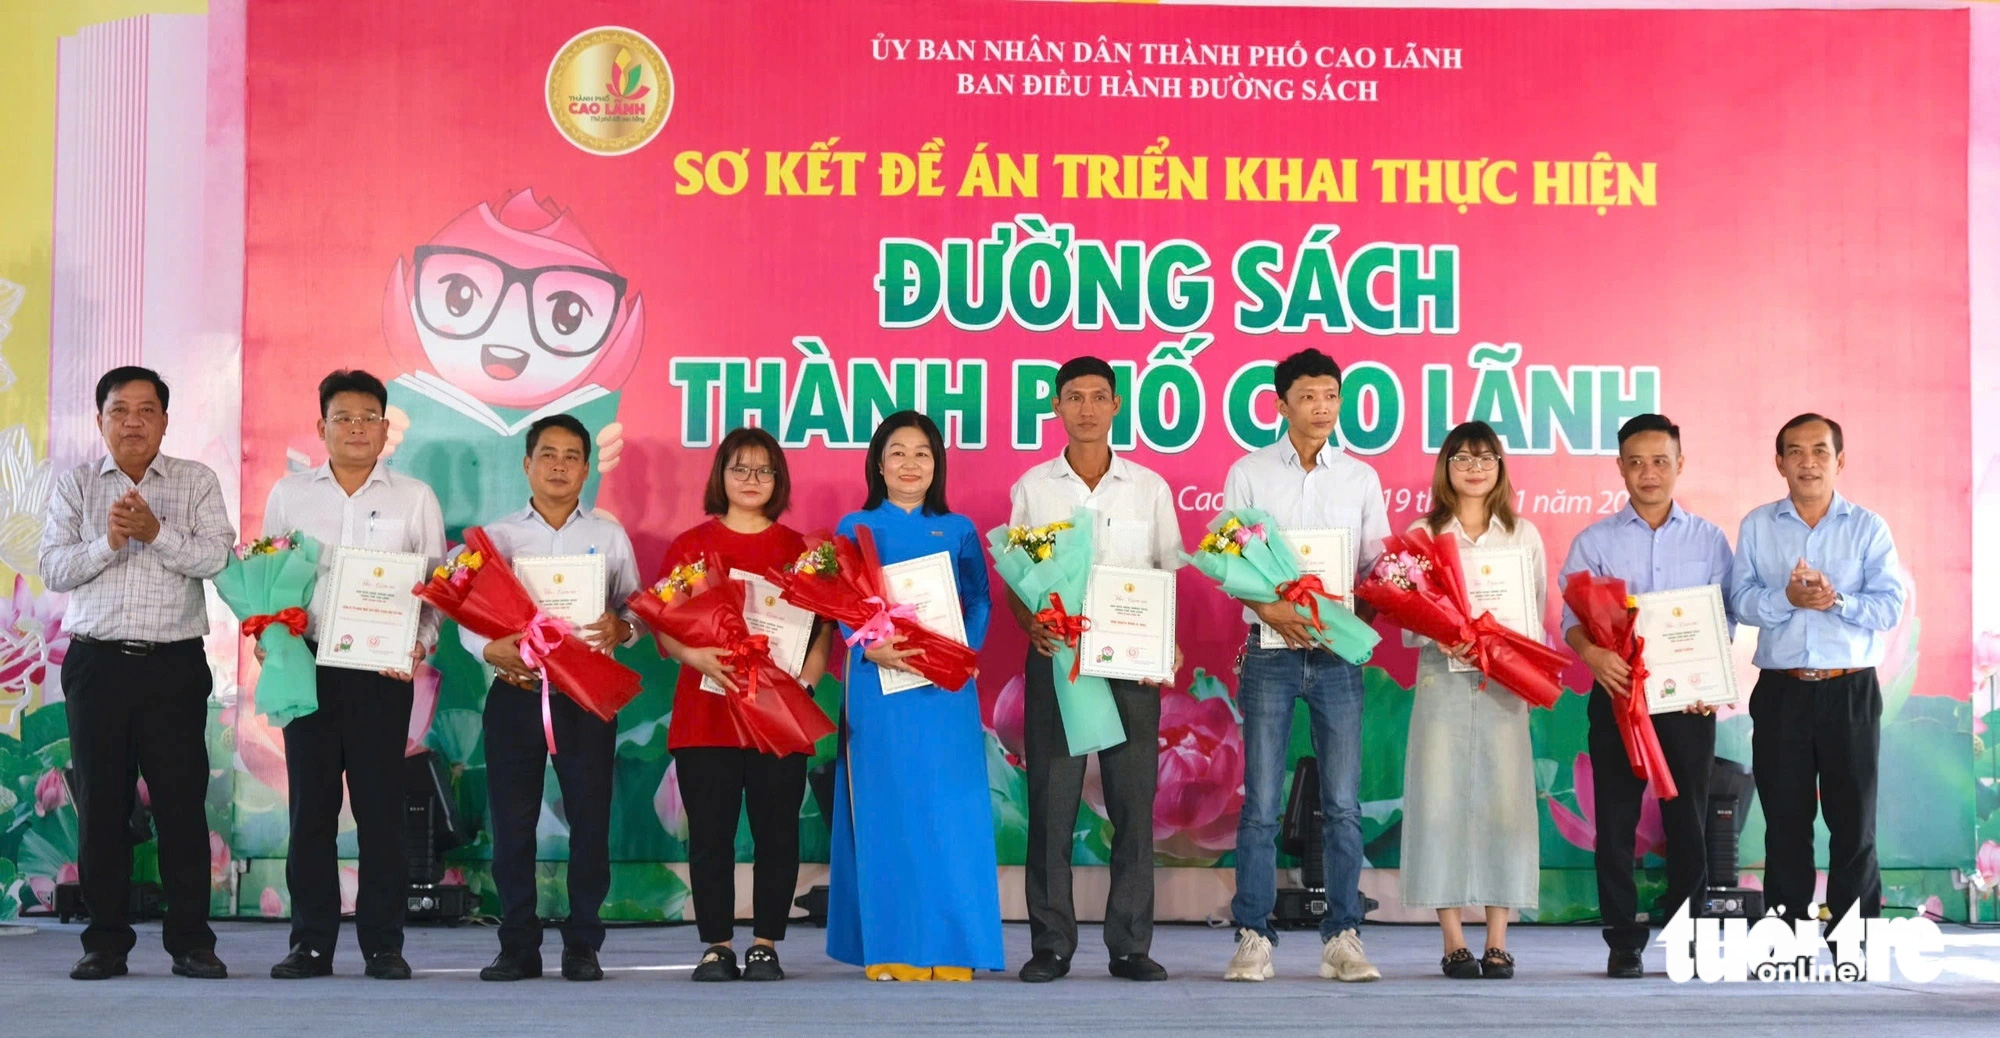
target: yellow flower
471 560
1232 548
1042 553
1631 601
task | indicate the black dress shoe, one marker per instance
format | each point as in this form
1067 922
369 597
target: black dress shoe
98 966
761 963
201 964
717 963
1496 964
580 963
1044 967
514 965
1137 966
388 965
303 962
1625 965
1460 965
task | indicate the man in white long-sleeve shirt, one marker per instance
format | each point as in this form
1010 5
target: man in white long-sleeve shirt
354 500
554 523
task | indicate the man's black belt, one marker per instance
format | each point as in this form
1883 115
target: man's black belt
135 648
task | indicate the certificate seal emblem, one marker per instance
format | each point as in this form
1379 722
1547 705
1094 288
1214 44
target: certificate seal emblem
378 571
609 90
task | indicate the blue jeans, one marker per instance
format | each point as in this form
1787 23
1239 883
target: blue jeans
1272 679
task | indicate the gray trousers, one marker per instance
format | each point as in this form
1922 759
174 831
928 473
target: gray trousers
1130 772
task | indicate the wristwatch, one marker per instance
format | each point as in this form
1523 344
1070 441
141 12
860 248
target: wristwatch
1839 600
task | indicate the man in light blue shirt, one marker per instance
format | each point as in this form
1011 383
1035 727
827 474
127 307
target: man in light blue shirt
555 523
1304 483
1652 544
1819 575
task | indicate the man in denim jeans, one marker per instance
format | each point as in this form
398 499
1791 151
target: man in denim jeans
1304 483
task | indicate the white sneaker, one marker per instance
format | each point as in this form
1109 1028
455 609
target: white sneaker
1252 960
1343 959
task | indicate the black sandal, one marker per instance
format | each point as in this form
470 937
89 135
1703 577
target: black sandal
1459 965
1497 964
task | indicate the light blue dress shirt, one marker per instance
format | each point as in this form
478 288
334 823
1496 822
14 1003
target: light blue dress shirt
1851 545
1686 551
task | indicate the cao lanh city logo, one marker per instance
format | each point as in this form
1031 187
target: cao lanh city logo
610 90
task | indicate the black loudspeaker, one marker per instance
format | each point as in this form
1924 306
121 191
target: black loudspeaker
146 903
432 825
1302 907
1730 791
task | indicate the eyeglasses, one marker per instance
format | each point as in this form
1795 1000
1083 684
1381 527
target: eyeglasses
354 421
1475 462
570 309
746 474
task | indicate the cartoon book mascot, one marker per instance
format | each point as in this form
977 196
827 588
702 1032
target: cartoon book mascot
501 319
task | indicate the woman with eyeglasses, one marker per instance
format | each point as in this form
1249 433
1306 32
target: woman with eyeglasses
1471 830
914 887
749 487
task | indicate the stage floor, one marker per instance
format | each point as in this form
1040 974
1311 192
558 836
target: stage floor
1560 988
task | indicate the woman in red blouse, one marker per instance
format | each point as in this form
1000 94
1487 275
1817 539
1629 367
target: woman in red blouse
749 487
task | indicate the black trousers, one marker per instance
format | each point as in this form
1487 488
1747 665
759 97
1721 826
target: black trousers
516 757
717 783
1131 772
1688 740
1815 745
358 733
132 717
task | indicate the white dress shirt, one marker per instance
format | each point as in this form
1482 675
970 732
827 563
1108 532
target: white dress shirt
390 512
526 534
141 592
1137 524
1341 491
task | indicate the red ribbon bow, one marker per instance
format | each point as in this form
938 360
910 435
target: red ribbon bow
1306 592
291 618
743 656
1067 627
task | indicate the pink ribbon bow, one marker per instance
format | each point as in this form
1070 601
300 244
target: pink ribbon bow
544 634
882 626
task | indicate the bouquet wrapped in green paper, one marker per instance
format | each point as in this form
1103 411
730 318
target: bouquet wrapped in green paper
1240 554
268 583
1048 568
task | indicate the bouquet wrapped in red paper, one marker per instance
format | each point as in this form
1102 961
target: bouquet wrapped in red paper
1610 618
841 580
699 605
478 589
1419 585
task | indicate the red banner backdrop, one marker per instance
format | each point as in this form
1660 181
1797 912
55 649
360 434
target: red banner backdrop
1549 220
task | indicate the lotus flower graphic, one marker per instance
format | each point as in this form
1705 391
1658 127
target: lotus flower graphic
624 83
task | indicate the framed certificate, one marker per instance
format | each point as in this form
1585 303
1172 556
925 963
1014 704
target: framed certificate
567 587
1131 633
929 585
789 627
1326 554
371 617
1687 649
1501 581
